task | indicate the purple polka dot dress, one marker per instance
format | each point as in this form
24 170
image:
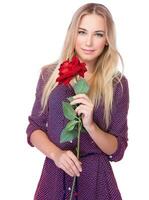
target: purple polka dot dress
97 181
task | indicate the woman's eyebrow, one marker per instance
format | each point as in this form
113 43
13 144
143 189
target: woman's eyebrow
97 31
82 29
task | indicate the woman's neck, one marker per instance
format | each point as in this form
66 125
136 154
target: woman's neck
87 76
90 66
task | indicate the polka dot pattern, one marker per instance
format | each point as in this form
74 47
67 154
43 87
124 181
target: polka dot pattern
97 181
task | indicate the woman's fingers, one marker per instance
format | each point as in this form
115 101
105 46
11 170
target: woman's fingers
68 171
80 96
73 163
81 99
83 109
72 168
69 163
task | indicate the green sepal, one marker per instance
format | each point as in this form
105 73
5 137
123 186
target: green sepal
81 87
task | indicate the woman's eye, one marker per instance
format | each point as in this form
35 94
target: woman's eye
82 32
99 34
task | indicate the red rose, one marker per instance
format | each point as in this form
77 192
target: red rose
69 69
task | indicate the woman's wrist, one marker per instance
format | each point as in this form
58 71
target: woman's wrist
91 127
53 154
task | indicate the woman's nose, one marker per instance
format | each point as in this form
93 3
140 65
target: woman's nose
89 40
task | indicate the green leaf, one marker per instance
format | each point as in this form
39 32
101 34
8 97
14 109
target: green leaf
69 112
67 136
70 125
81 87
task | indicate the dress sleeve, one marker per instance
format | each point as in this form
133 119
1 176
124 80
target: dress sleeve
38 119
118 126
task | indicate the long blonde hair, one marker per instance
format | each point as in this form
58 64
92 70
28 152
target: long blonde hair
105 71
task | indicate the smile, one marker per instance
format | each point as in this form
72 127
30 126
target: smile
88 51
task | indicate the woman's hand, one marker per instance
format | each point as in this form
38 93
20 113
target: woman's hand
67 161
85 108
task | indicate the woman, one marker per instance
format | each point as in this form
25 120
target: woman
104 111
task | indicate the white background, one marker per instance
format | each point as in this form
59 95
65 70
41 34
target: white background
31 35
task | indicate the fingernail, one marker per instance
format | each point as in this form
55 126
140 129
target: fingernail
70 99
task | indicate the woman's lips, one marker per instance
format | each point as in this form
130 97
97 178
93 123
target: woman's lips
88 51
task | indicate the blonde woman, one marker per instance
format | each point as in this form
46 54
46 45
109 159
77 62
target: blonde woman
91 37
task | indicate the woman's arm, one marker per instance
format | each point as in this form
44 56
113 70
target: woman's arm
40 140
105 141
37 134
65 160
113 142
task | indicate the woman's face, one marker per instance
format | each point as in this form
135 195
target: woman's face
91 38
